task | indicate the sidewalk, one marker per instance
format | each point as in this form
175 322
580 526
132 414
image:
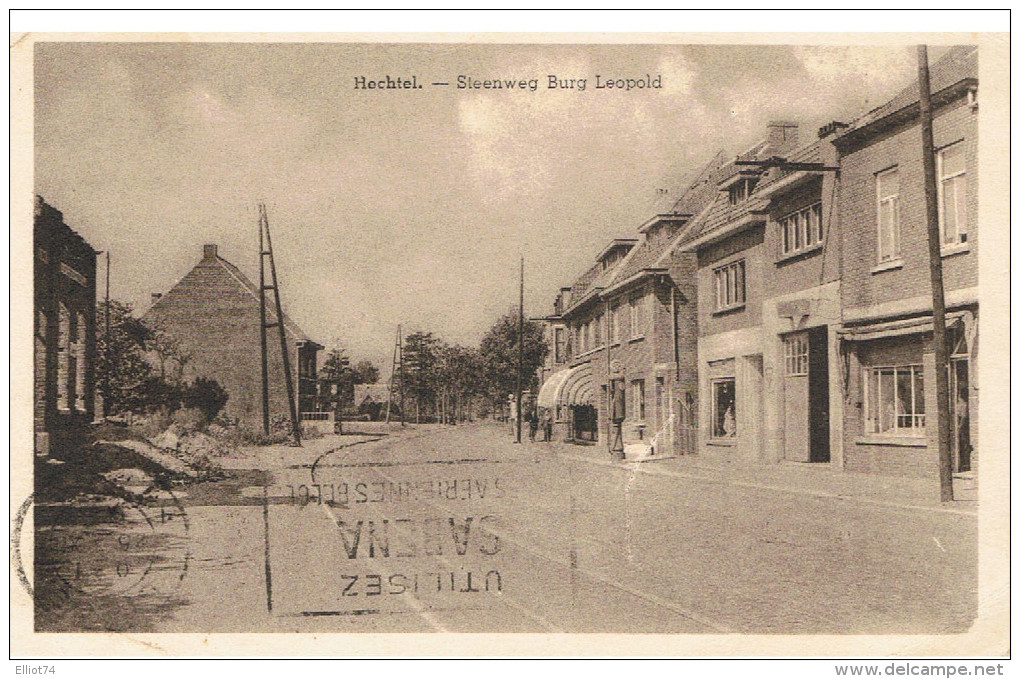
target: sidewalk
818 480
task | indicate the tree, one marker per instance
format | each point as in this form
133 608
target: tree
336 380
458 379
167 350
206 395
420 364
365 372
126 380
499 356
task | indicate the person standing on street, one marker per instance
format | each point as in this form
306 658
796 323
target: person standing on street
532 424
512 411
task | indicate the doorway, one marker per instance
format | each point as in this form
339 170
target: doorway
806 395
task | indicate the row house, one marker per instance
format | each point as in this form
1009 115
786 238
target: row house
768 302
622 337
64 323
887 353
814 301
581 327
213 313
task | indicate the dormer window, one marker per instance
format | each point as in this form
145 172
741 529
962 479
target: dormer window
741 190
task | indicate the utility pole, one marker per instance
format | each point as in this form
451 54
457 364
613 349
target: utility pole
938 296
106 345
398 368
400 347
520 353
275 287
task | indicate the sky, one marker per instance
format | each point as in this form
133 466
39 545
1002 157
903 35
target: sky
406 206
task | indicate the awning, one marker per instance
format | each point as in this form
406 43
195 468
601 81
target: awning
551 386
577 388
910 326
568 387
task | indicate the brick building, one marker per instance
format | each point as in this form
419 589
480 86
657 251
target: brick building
64 329
580 327
737 259
653 302
624 333
213 312
886 339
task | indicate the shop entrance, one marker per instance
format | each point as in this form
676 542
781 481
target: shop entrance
586 426
806 395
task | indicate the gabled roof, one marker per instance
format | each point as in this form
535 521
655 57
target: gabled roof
648 256
812 153
956 66
721 218
594 280
379 393
215 277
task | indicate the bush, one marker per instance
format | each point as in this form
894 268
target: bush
205 395
188 420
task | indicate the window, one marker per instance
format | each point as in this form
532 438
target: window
614 323
894 400
724 408
637 320
952 172
660 387
81 363
560 345
64 370
802 229
888 187
638 389
598 331
739 192
729 286
795 352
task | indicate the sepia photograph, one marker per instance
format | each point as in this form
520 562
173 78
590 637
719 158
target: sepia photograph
674 338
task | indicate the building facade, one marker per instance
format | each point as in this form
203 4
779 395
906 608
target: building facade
64 329
653 355
581 327
886 339
213 312
737 263
785 314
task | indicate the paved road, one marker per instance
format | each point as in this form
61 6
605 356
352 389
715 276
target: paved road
460 530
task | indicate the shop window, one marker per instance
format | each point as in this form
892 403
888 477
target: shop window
888 187
729 286
638 391
952 172
894 400
802 229
795 353
724 408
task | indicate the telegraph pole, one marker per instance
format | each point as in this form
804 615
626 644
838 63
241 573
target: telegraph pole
400 345
520 353
106 345
938 296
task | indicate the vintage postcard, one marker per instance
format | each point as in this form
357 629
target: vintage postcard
526 344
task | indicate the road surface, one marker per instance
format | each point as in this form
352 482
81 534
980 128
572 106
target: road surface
458 529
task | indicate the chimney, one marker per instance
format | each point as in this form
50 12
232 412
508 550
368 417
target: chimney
830 128
782 137
209 252
156 297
